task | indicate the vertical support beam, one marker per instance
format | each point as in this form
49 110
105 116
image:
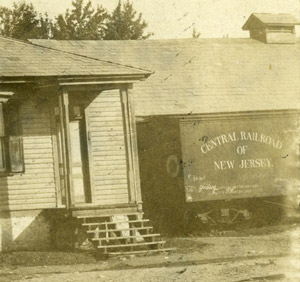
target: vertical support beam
66 147
128 146
132 149
132 123
90 156
55 158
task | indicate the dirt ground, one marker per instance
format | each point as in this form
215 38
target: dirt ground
261 254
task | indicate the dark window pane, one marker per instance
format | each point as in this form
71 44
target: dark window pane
16 154
1 121
2 155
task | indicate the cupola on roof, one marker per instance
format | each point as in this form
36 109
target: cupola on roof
272 28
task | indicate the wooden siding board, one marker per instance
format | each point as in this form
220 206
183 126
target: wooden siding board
45 195
108 139
35 188
115 196
109 194
108 133
108 149
112 201
112 187
41 187
45 199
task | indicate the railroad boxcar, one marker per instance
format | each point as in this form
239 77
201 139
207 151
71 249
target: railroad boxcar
217 168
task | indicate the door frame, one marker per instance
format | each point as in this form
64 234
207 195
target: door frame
134 190
62 146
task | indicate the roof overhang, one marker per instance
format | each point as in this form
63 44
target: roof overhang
5 96
70 83
59 79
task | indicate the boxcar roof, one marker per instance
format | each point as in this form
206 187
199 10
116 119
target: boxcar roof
203 75
21 59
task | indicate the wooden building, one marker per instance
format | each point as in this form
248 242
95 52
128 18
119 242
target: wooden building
68 151
202 89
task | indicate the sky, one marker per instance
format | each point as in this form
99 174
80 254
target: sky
176 18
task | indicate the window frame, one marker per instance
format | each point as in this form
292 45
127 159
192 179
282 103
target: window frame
3 150
10 135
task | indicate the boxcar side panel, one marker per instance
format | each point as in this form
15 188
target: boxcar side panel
241 157
161 172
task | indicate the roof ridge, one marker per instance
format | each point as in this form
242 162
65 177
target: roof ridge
87 57
207 40
29 43
22 41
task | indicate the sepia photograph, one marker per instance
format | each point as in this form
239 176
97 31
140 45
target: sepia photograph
149 140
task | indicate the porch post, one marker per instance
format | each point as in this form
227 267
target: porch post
66 146
132 149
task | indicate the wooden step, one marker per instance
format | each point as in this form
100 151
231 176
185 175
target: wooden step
102 226
142 252
114 222
132 245
108 215
105 211
119 230
126 237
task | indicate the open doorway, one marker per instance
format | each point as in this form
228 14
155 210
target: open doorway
79 153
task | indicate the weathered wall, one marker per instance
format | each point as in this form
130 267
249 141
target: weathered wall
23 223
161 172
35 188
109 165
25 230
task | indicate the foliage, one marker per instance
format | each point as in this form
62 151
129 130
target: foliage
124 24
195 34
23 22
82 22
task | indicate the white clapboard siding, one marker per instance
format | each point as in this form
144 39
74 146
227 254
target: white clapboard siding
108 149
35 188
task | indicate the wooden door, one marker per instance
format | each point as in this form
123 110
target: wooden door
77 162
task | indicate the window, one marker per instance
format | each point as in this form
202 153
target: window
11 145
281 29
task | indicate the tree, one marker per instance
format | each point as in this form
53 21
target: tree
124 25
23 22
195 34
83 22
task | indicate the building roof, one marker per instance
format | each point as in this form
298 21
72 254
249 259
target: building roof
264 19
203 75
21 59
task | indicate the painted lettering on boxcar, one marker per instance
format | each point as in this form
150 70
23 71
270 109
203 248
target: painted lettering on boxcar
240 158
